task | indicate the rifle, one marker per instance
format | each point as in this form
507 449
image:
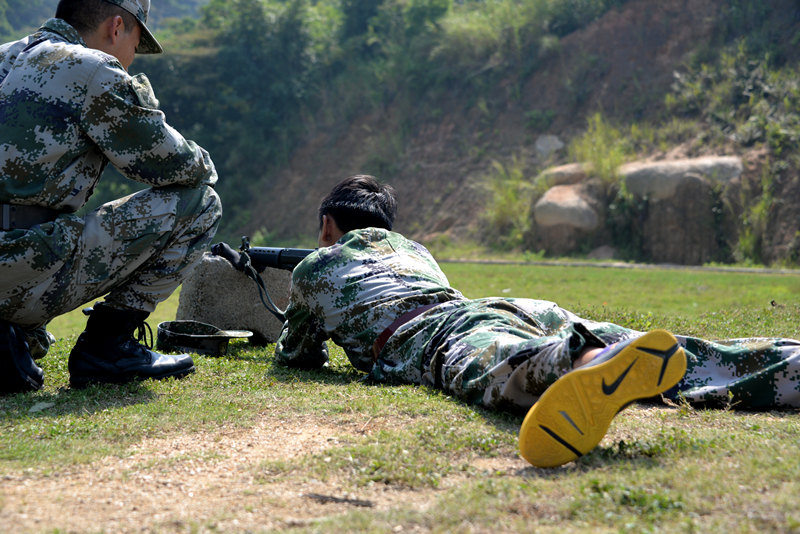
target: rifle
253 261
277 258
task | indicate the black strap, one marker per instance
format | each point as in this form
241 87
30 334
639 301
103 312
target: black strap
20 217
262 288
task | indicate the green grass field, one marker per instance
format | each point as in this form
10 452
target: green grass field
674 293
431 463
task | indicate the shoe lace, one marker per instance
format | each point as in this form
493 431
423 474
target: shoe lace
144 335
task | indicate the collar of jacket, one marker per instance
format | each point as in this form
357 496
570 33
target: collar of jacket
64 29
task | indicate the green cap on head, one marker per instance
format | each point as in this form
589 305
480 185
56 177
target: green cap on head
140 9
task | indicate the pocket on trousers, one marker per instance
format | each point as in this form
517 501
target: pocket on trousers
144 236
109 245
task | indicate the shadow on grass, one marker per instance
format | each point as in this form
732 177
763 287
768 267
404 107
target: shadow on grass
63 401
329 375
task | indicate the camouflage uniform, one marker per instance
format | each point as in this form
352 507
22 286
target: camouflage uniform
500 353
66 111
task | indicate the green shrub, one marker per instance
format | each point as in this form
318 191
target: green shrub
746 100
538 120
754 219
602 147
508 211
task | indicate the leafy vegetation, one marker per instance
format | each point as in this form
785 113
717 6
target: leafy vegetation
746 100
510 193
603 147
18 18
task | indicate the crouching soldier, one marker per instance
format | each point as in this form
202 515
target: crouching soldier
68 107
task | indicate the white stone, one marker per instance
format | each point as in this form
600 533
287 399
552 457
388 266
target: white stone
571 173
563 204
547 144
218 294
660 179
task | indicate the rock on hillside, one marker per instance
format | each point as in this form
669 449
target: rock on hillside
678 202
659 180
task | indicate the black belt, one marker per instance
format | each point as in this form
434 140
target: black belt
19 217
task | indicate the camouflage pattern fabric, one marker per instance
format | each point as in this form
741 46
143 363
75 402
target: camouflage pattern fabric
137 249
499 353
66 111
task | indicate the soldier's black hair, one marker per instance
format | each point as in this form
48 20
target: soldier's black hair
360 202
87 15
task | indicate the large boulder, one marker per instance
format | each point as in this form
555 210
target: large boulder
681 229
565 217
680 225
659 180
218 294
564 204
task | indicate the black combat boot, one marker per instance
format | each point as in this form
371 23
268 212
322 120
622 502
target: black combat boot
18 372
107 352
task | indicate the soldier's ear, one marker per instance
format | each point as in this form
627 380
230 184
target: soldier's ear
116 27
325 231
329 233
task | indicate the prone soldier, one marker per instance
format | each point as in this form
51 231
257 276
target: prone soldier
384 300
68 107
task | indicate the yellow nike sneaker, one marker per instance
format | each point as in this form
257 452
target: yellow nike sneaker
574 414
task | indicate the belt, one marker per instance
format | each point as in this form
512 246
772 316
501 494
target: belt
377 347
19 217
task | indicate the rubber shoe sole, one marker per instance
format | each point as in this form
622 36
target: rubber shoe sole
574 414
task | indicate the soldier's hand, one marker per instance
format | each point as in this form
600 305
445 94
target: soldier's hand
224 251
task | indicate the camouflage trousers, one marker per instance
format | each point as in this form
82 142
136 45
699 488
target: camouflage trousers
504 353
136 251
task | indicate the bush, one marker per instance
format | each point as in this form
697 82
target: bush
508 211
746 100
602 147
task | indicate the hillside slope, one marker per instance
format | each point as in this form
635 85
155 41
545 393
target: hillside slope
622 63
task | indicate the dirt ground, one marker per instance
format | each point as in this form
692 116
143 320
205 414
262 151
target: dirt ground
203 482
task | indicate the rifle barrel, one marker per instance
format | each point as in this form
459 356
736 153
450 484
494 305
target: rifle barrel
277 258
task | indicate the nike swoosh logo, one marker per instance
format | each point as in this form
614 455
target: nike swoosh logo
609 389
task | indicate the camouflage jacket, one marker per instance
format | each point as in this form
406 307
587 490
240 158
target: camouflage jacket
66 111
352 291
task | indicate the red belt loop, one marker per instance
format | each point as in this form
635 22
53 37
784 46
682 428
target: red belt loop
377 347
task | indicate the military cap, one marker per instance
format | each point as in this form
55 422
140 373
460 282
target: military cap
140 9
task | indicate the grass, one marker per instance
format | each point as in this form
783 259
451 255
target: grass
659 292
602 147
661 469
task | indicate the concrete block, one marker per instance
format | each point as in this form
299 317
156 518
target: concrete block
218 294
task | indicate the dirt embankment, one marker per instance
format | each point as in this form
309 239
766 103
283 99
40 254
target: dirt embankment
622 64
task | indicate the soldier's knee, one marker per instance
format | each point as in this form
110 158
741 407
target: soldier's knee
197 202
213 201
